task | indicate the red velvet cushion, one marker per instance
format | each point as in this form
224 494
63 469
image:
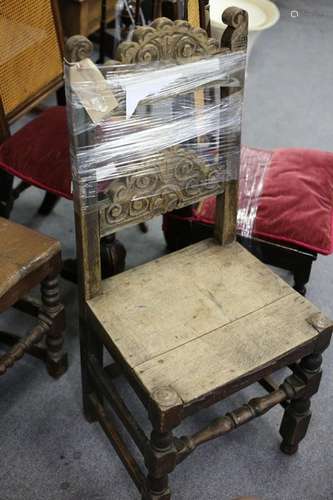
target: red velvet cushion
295 203
39 152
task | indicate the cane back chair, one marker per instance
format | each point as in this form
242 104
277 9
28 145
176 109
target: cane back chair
193 327
31 68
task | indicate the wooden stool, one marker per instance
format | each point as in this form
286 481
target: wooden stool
27 259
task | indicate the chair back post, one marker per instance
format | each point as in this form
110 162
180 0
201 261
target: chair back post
87 231
234 38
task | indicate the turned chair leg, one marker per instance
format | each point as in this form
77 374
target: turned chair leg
48 203
56 358
297 416
161 462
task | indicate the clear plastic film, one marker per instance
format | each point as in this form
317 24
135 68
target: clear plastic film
140 131
254 165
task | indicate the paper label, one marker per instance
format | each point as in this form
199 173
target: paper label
92 89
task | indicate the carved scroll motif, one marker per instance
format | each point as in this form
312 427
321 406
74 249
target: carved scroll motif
78 47
166 40
179 179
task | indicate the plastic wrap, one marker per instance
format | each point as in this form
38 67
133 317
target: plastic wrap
143 131
254 165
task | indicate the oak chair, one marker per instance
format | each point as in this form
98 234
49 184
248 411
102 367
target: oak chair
191 328
29 259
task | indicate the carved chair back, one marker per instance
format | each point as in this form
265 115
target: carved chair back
176 178
31 56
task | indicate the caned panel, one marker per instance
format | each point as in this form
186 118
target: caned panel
30 57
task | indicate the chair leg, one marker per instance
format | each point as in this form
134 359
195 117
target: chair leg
161 463
113 256
302 275
297 416
89 345
48 203
56 358
6 194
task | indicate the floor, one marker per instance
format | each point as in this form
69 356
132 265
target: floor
49 452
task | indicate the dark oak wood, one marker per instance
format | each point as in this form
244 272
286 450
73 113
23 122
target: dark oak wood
28 259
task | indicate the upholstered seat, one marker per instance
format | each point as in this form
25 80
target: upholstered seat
38 153
203 317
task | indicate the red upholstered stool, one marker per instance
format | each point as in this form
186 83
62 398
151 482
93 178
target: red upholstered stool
39 153
285 210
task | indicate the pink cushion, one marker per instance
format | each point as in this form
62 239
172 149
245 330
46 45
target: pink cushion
39 152
295 203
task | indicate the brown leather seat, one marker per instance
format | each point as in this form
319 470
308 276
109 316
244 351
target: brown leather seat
24 254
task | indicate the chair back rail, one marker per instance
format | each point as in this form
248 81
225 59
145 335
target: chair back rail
164 40
31 65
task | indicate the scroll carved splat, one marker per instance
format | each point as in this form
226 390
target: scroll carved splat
166 40
179 179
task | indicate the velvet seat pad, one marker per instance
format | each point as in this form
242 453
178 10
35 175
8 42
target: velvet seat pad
290 194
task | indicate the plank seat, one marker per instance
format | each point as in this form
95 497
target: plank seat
202 318
23 254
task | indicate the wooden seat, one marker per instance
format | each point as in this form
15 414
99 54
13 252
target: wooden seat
28 259
22 252
202 318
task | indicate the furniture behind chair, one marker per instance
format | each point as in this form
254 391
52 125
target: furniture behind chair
189 329
29 259
31 69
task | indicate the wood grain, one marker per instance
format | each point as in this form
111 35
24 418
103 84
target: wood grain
232 351
198 318
165 303
22 251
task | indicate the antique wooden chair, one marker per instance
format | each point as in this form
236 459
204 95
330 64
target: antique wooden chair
191 328
29 259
